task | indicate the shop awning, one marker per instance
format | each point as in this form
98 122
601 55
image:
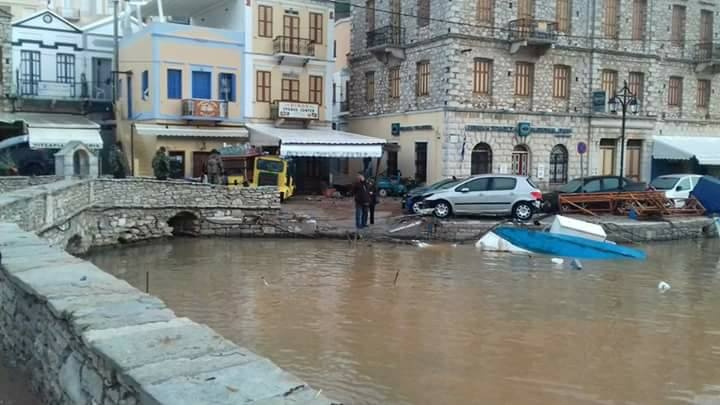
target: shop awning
191 132
705 149
316 142
54 131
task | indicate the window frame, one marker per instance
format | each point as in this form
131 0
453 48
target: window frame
564 20
609 82
65 68
370 86
232 96
394 82
261 86
172 96
482 78
423 13
485 11
561 82
678 24
315 93
704 90
292 90
611 22
675 91
422 79
316 31
639 20
265 24
637 87
524 82
145 85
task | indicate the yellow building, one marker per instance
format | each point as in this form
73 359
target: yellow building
180 87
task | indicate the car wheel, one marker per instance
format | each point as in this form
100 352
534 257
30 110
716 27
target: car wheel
442 209
522 211
383 192
416 207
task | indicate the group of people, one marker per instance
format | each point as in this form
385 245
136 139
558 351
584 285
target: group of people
366 199
213 169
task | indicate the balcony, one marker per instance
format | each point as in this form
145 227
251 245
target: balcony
387 43
204 110
536 35
293 51
62 97
707 57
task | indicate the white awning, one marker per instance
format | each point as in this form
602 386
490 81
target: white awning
191 132
54 131
57 138
703 148
316 142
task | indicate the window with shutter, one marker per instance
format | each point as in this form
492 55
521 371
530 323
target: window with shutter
370 86
636 84
423 13
524 73
423 78
639 19
486 11
561 81
703 93
482 76
675 89
612 10
677 33
609 82
563 15
394 82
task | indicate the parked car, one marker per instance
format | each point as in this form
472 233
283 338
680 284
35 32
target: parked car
390 185
411 202
677 187
592 184
488 194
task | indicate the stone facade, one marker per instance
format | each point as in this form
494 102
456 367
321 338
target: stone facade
452 48
12 183
86 337
6 73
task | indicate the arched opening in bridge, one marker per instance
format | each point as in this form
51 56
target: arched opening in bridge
81 163
185 223
74 244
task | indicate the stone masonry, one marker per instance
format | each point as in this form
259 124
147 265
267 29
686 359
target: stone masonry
451 49
6 76
86 337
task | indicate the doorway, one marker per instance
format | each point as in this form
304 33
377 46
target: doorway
481 159
633 159
607 156
291 31
177 164
421 152
199 163
101 86
521 160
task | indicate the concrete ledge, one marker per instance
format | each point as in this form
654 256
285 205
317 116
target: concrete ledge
87 337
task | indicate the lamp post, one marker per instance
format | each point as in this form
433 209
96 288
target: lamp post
624 99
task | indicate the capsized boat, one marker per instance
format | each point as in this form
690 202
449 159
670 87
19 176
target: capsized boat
566 245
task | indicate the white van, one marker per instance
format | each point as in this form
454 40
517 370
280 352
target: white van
677 187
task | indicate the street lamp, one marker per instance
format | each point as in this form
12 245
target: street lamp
624 100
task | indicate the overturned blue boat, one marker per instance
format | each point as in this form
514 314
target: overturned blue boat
567 246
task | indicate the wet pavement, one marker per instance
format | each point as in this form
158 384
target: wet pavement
398 324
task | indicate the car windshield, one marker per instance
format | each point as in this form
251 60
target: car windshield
531 183
446 185
664 183
571 187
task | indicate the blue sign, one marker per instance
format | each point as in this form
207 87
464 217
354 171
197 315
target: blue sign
598 101
581 148
395 129
523 128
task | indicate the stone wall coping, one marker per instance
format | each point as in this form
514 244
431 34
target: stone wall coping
162 358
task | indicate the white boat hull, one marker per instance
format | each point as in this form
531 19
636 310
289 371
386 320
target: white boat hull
491 242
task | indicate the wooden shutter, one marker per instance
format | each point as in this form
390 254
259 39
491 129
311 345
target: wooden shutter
486 11
675 91
639 19
609 82
703 93
677 34
612 9
482 76
423 13
561 81
563 15
524 79
636 84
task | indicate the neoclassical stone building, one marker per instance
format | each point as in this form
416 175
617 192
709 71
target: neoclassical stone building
5 58
513 86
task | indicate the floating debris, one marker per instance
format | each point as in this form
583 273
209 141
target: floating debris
663 286
265 281
421 244
576 264
557 260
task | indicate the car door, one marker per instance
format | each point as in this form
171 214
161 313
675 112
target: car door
592 186
469 197
500 195
610 184
682 189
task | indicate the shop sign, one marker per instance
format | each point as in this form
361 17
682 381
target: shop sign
303 111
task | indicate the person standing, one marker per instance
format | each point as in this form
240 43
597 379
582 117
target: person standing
118 162
215 168
372 189
362 202
161 164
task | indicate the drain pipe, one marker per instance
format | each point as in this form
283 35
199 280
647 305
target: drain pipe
590 88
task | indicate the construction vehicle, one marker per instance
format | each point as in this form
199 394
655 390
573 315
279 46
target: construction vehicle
245 167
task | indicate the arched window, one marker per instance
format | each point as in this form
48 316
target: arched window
558 165
521 160
481 161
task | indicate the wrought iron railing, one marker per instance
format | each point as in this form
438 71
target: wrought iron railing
530 28
390 35
707 51
63 90
294 46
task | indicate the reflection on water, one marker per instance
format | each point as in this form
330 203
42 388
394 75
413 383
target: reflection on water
460 326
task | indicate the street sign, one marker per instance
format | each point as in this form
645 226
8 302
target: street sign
598 101
523 128
395 129
581 148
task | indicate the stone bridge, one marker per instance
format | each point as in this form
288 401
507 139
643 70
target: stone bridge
80 214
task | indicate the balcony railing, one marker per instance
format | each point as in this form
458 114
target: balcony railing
204 110
294 46
707 51
59 90
389 36
530 29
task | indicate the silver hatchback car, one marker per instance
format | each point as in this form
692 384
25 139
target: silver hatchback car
487 194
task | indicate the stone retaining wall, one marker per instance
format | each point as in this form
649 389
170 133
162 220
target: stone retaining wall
89 338
12 183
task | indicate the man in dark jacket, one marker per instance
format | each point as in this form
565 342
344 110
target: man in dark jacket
362 202
215 168
118 162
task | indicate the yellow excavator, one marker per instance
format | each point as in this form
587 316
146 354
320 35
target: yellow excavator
247 168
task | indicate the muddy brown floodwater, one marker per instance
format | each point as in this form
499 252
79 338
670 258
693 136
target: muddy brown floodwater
460 326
